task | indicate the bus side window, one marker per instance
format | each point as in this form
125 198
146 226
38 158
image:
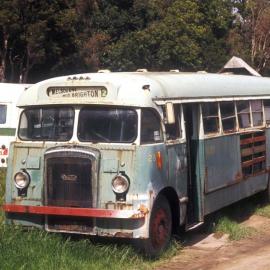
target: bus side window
228 117
243 112
266 104
3 114
210 117
150 127
257 114
173 131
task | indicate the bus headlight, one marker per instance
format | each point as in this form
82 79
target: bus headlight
120 184
21 179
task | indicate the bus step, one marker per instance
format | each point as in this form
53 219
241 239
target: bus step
193 226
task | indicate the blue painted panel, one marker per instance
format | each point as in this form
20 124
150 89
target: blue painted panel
177 166
234 193
222 162
267 141
150 179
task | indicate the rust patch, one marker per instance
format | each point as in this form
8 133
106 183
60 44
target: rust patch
238 177
118 205
123 235
143 209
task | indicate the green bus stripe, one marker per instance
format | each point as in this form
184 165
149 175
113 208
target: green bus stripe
7 131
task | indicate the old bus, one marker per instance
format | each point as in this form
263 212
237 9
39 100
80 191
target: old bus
9 95
136 155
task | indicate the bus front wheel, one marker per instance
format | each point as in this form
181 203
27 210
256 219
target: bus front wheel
160 229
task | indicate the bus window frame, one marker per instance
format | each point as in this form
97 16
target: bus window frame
181 124
231 131
253 112
202 130
135 141
266 121
47 107
7 114
238 128
161 126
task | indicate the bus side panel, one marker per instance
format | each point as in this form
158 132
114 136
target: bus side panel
234 193
224 182
177 162
196 189
222 162
267 141
150 178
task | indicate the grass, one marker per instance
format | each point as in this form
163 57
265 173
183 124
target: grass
235 231
2 184
39 250
35 249
2 191
228 220
263 211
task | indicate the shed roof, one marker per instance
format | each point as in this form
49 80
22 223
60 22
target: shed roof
239 66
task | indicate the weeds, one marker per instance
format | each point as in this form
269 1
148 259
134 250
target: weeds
233 229
263 211
39 250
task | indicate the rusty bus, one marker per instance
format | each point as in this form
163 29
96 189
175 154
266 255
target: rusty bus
136 155
9 95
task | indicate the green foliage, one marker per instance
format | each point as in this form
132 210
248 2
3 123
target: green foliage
263 211
235 230
40 250
172 42
2 191
51 38
37 33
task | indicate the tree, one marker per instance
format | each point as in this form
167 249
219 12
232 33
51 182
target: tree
259 24
187 35
34 35
218 19
250 37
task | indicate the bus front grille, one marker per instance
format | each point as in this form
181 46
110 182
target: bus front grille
70 178
69 182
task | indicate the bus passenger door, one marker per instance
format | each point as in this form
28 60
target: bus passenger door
194 152
177 159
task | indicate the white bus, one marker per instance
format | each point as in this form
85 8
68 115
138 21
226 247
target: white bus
9 95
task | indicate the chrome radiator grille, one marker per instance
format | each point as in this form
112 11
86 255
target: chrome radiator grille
71 181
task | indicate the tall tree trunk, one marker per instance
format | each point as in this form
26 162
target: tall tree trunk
4 56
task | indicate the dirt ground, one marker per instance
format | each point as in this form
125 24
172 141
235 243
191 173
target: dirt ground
204 251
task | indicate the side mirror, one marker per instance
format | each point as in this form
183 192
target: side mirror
170 113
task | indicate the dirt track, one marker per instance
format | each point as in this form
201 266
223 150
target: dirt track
205 252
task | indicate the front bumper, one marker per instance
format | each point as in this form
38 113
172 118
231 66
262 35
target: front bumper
76 212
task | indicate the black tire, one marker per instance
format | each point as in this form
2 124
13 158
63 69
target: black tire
160 229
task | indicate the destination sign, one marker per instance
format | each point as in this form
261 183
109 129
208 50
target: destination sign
77 92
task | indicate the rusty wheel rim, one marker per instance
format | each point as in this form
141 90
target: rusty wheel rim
160 229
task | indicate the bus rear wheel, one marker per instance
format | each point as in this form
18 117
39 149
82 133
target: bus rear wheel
160 229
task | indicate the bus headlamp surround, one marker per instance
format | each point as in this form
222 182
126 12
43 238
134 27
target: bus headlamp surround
21 179
120 184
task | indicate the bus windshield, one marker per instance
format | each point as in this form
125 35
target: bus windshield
54 124
117 125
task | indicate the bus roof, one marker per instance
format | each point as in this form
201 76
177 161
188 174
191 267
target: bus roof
144 88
